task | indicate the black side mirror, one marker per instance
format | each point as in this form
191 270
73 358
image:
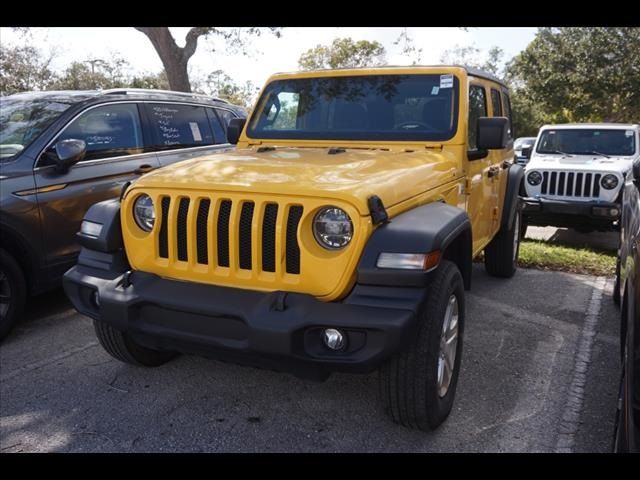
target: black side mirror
526 152
635 170
493 133
235 129
68 153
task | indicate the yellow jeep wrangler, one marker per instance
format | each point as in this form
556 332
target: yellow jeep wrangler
338 236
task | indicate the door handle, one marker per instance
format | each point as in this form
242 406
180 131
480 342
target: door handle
493 171
142 169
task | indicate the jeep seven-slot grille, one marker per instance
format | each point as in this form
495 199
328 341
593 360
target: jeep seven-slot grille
570 184
250 227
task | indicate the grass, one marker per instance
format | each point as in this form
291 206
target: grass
548 256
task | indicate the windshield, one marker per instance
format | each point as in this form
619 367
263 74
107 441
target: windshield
524 142
21 121
366 107
588 141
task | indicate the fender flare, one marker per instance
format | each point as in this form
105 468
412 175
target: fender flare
428 228
512 196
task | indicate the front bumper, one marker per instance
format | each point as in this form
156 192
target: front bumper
269 329
563 213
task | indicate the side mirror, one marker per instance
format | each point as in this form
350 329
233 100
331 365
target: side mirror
635 170
68 153
234 129
526 152
493 133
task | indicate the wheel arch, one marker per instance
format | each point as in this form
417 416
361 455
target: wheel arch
428 228
18 247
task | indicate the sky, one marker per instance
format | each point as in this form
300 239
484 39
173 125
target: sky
269 54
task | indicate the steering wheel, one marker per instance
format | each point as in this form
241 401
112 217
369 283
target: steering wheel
413 122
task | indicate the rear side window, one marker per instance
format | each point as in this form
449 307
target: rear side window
507 112
477 109
219 133
496 104
108 131
179 126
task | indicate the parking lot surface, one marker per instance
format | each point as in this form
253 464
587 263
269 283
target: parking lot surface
539 374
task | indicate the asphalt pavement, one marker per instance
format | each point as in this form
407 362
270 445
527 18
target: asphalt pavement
539 374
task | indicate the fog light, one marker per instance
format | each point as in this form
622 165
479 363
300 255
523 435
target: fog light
333 339
606 212
95 298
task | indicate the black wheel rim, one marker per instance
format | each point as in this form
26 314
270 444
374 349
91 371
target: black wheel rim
5 295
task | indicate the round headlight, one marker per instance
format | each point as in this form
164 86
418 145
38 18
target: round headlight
144 213
332 228
609 182
534 178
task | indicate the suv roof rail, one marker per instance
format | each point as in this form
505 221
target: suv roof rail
155 91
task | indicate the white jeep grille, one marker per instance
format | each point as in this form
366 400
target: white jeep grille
557 183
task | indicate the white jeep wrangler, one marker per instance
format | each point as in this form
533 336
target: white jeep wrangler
575 175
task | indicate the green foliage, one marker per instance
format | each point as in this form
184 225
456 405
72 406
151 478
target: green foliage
149 80
23 68
343 53
93 74
221 85
581 74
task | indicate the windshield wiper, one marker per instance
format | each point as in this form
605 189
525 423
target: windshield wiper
561 153
598 153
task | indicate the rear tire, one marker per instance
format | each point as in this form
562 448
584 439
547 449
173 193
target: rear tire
417 386
122 347
13 292
501 255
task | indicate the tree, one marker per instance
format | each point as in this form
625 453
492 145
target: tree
175 59
149 80
343 53
472 56
221 85
23 68
93 74
581 74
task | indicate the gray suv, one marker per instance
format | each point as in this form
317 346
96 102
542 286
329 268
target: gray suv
61 152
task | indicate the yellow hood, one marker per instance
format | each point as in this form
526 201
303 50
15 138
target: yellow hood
352 176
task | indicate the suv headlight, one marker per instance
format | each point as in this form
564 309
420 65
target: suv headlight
332 228
534 178
609 182
144 213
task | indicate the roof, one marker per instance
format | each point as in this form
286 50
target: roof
76 96
561 126
476 72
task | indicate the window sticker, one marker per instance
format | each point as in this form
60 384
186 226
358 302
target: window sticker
446 81
628 133
435 90
195 131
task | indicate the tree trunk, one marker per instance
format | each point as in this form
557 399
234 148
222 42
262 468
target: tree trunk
174 59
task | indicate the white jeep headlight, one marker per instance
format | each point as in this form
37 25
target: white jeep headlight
144 213
534 178
609 182
332 228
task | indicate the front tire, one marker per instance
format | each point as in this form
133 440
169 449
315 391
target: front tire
418 384
13 292
122 347
501 255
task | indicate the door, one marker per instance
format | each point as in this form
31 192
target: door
115 155
481 199
181 132
500 160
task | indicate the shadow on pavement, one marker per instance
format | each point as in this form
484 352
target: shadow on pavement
604 241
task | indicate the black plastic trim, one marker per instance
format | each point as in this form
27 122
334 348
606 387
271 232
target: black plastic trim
106 213
511 198
424 229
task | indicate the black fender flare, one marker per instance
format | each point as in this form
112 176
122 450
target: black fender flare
428 228
107 214
515 176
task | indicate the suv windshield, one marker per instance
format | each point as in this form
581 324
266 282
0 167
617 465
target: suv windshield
22 120
588 141
366 107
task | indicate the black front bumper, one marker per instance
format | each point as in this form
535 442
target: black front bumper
562 213
270 329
